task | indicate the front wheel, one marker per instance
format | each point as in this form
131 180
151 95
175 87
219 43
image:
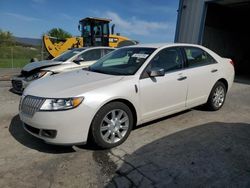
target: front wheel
112 125
217 96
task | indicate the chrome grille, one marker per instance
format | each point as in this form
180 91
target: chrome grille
31 104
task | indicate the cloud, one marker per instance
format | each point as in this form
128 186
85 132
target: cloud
164 9
155 9
22 17
134 26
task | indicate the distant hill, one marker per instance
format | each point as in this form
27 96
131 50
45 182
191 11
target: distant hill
28 41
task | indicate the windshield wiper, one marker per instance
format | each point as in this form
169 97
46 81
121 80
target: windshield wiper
91 70
86 68
98 71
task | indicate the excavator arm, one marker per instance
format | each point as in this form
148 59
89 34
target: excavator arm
94 32
56 48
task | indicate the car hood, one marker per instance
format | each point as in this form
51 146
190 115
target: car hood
69 84
68 66
40 64
62 67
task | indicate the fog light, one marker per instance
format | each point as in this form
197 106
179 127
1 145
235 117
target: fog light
48 133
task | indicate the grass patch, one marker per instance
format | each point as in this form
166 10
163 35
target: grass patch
17 63
17 56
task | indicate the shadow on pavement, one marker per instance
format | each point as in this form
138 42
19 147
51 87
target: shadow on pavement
210 155
17 131
161 119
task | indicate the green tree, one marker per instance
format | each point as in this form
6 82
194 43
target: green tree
6 38
59 33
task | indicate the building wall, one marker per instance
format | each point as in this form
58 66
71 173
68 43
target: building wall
190 23
220 25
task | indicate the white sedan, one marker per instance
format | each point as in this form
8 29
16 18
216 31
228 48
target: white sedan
128 87
73 59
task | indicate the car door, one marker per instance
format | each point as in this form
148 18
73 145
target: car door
163 95
202 73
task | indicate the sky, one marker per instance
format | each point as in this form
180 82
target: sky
148 21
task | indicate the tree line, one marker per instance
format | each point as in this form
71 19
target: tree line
7 38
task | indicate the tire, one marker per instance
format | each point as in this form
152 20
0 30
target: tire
111 125
217 96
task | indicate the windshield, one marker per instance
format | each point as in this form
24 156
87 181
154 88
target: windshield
125 61
68 54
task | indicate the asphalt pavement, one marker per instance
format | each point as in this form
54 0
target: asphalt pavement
194 148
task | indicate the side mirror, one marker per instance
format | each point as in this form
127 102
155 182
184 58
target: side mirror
155 72
78 60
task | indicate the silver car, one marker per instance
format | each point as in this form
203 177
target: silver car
128 87
70 60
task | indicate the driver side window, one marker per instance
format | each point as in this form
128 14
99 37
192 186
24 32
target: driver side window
169 59
91 55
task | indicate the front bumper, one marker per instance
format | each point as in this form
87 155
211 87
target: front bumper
19 84
59 127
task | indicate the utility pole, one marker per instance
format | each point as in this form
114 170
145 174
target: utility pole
12 63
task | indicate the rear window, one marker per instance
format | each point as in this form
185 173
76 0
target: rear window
91 55
198 57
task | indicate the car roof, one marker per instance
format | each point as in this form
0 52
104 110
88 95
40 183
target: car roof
96 47
161 45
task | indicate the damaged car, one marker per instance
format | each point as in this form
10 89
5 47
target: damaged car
76 58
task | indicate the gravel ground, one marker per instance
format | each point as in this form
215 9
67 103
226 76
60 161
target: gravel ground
195 148
7 73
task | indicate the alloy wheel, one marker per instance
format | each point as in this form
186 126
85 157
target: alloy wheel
218 96
114 126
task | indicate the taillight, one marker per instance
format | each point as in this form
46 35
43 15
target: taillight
231 61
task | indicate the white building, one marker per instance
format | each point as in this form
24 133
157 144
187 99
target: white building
221 25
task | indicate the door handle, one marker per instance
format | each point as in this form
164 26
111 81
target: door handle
214 70
182 78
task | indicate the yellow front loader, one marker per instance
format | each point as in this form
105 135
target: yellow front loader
94 32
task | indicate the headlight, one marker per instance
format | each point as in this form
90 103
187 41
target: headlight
37 75
61 104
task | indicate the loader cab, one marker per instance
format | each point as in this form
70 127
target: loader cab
95 31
